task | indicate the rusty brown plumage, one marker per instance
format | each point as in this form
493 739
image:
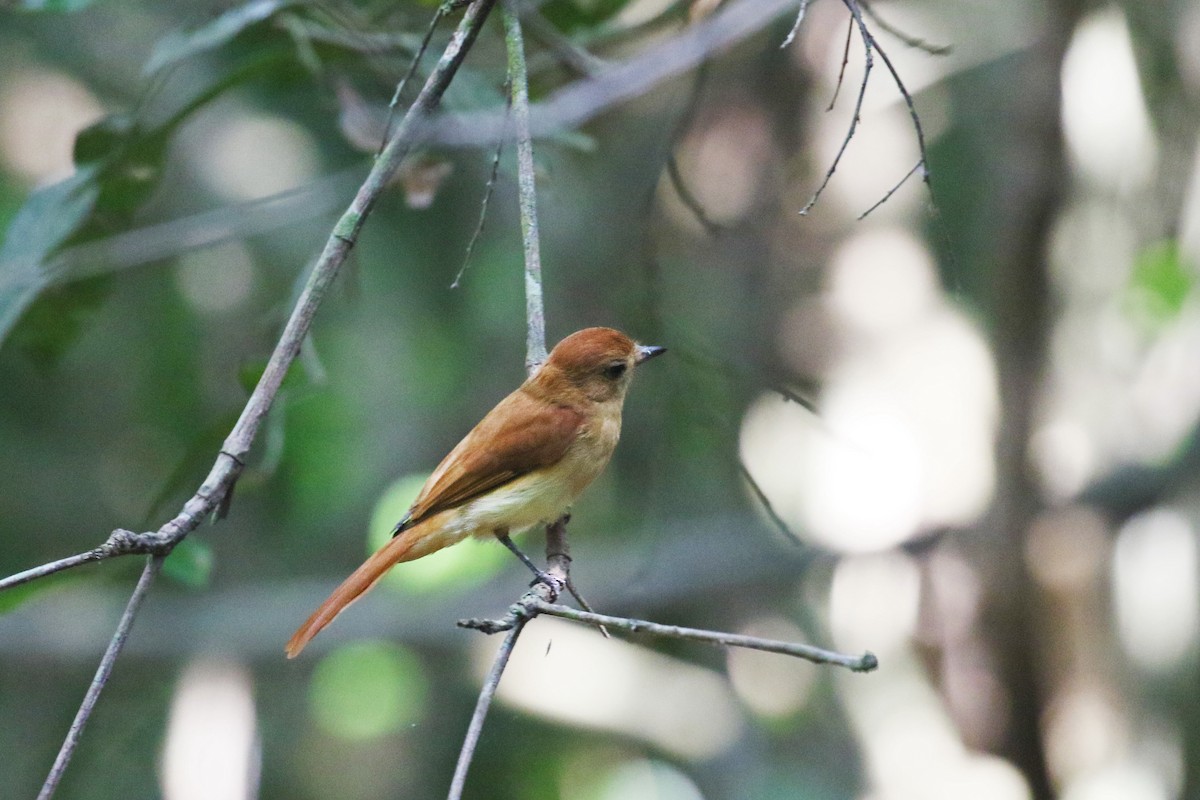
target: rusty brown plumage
524 463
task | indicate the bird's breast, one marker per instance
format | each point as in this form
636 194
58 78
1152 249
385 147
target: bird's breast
545 494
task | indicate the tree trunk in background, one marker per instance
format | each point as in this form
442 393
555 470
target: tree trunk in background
1027 178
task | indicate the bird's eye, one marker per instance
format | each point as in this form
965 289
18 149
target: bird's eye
614 371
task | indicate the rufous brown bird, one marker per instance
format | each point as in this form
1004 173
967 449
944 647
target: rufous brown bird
523 464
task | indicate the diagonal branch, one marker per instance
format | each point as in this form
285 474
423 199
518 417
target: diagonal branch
465 756
868 65
906 39
558 568
214 494
153 565
586 98
871 46
217 487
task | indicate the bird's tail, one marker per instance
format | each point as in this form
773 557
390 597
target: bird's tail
406 546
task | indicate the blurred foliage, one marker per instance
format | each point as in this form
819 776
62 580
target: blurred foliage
367 689
190 563
1161 283
118 384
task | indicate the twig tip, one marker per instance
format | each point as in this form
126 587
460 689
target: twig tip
868 662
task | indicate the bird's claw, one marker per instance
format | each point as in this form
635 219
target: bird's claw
556 584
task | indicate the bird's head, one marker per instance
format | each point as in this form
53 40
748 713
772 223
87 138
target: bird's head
598 362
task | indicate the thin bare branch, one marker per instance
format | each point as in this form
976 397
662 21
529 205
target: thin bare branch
892 190
841 78
442 10
153 565
908 100
778 521
795 27
467 753
870 48
518 79
864 663
689 200
906 39
868 65
44 570
119 543
483 207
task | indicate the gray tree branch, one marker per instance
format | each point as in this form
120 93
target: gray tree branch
214 493
100 680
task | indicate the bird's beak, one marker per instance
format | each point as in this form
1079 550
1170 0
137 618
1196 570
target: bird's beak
645 352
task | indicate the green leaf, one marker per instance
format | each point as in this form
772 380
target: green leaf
104 139
179 45
1161 283
190 563
120 164
57 316
49 217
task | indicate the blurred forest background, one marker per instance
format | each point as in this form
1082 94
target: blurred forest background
998 494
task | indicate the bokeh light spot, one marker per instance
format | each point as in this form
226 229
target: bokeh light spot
1154 582
367 689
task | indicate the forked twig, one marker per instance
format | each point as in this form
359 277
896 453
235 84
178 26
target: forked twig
871 46
868 65
906 39
442 10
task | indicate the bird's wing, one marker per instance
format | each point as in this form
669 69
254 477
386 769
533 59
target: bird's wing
521 434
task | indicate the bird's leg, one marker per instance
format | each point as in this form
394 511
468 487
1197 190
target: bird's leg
542 576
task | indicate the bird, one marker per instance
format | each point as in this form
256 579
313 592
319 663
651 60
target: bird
523 464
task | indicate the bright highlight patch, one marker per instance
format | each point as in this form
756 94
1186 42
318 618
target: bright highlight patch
368 689
212 750
1154 581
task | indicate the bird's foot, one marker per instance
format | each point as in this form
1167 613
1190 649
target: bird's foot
555 583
